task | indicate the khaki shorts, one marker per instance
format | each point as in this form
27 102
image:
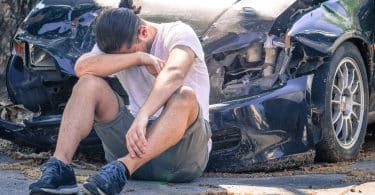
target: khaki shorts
181 163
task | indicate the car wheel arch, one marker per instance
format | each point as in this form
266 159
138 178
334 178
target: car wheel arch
365 50
362 44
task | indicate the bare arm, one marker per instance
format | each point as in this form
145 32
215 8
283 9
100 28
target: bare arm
105 64
167 82
169 79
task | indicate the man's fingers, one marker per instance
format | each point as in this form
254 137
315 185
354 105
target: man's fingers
157 67
162 64
134 149
136 139
130 149
135 144
142 142
142 137
140 147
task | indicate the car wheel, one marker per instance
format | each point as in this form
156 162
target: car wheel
340 90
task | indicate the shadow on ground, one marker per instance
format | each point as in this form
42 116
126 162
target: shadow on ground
323 178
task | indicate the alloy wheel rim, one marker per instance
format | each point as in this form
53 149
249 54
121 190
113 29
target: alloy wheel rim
347 102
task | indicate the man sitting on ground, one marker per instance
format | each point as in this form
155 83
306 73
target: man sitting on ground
164 135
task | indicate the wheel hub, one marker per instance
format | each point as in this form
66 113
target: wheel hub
346 103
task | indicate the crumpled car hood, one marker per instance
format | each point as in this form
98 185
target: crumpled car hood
63 28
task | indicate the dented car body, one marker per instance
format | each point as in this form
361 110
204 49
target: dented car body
262 57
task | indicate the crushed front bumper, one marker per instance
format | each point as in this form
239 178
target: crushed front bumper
270 126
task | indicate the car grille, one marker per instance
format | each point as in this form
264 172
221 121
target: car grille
226 139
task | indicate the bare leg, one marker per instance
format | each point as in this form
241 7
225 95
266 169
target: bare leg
179 113
92 98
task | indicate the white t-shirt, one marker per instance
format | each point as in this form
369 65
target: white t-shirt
138 82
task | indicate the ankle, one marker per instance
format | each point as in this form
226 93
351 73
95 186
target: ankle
129 163
127 173
63 158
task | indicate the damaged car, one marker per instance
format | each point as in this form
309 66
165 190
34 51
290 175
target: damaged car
289 79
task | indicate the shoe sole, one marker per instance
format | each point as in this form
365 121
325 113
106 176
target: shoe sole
92 189
61 190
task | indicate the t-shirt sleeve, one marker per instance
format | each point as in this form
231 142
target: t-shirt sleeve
183 34
95 51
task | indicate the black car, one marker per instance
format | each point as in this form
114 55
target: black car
288 77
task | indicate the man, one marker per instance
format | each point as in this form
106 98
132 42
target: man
164 135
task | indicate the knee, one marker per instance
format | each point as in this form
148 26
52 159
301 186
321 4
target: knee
184 96
88 84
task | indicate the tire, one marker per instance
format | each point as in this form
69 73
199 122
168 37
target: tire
340 91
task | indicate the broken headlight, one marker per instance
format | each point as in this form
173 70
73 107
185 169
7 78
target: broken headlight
18 49
41 60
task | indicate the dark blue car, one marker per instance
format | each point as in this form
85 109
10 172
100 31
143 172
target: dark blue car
288 78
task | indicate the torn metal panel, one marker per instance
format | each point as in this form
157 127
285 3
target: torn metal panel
45 91
249 71
255 133
327 26
257 36
64 31
318 32
245 17
254 17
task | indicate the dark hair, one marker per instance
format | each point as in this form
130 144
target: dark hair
116 27
126 4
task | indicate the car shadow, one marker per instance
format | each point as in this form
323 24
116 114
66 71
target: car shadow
300 184
328 178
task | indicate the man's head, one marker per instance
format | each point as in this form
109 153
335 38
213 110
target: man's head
120 30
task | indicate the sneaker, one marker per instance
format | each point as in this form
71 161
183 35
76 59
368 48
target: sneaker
109 180
57 178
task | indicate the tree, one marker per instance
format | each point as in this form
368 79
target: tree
12 13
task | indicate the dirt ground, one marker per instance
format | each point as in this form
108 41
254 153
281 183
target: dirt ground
26 160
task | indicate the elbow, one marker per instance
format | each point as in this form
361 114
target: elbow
79 69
